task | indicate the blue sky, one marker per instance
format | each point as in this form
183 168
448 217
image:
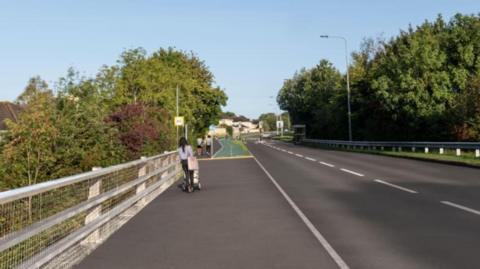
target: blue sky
250 46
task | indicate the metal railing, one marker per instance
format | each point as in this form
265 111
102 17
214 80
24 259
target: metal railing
459 147
57 223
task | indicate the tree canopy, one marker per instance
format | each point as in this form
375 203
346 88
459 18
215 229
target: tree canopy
420 85
124 112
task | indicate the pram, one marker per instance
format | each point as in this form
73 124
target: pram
192 167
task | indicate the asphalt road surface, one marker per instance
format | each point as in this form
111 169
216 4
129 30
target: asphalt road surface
239 220
382 212
299 207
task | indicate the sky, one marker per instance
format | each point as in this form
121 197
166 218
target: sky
250 46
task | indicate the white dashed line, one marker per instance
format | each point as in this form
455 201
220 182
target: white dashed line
299 155
464 208
351 172
321 239
394 186
310 159
289 152
327 164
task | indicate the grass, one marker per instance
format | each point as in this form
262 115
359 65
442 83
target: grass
467 157
285 138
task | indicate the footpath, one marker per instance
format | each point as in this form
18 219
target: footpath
238 220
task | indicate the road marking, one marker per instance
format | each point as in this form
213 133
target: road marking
461 207
351 172
338 260
299 155
289 152
327 164
310 159
394 186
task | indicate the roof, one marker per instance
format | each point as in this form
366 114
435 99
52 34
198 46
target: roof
8 111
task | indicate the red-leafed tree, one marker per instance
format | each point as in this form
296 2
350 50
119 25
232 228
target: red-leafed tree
143 129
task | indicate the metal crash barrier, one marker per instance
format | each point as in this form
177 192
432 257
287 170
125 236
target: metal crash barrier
57 223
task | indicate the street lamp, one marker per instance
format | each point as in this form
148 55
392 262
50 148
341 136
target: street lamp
348 83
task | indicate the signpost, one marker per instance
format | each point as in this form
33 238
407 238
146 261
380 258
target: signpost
212 129
179 121
280 126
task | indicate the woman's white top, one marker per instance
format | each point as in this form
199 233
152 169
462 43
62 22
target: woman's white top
185 154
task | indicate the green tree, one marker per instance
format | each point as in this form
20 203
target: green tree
268 121
315 97
28 156
35 86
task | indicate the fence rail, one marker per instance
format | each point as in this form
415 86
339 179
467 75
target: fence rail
399 145
57 223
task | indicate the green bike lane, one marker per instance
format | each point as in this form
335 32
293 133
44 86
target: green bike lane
231 148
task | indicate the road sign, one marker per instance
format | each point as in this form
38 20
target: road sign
279 124
179 121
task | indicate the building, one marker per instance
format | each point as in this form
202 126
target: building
240 125
227 122
8 111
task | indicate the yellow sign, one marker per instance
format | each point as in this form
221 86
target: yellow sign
179 121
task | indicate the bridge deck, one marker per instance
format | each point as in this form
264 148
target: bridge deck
239 220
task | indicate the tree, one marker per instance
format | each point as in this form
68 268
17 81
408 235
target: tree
142 128
419 85
86 140
227 115
269 121
28 155
313 97
35 86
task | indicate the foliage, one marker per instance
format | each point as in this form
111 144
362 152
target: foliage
227 115
35 86
124 112
268 121
29 152
143 129
420 85
313 97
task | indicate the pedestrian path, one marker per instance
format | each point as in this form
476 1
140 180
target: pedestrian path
231 148
238 220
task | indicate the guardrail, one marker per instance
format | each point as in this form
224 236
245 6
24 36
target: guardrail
57 223
399 146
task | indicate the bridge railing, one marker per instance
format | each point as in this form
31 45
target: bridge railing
399 146
57 223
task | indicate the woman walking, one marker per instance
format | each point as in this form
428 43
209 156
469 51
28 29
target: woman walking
185 151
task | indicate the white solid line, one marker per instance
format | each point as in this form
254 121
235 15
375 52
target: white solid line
327 164
310 159
394 186
299 155
461 207
338 260
351 172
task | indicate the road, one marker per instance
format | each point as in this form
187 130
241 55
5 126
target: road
239 220
299 207
382 212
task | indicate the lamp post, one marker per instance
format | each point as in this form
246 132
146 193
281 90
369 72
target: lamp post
348 83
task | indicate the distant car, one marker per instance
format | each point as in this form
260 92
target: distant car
265 135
